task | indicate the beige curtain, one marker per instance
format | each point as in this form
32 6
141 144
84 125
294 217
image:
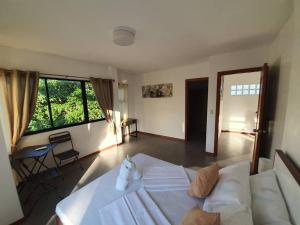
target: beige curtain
20 89
104 92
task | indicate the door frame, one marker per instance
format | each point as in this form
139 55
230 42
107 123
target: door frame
187 102
219 80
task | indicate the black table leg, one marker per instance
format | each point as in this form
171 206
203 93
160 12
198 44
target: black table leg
136 131
123 134
42 164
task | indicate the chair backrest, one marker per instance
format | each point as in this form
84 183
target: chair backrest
61 137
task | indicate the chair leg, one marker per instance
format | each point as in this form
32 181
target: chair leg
78 161
59 171
58 167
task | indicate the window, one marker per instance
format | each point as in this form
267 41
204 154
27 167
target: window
94 110
244 89
63 103
66 102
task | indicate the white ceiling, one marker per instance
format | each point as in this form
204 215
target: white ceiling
169 32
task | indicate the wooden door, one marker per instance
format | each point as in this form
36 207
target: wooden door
261 128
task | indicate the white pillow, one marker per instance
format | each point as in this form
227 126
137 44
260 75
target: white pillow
233 187
268 205
233 215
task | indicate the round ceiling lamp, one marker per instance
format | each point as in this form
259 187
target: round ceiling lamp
123 36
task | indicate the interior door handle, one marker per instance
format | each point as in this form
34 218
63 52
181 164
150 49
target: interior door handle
259 131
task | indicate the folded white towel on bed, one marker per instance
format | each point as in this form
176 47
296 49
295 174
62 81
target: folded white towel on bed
165 178
136 208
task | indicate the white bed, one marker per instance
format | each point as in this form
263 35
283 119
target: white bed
288 176
82 207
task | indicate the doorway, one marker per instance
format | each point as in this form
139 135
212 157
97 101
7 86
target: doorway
196 91
240 128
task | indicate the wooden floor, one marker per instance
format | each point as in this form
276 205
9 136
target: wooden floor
235 144
188 154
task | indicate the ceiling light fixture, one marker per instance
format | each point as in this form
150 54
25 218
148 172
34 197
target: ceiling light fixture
123 36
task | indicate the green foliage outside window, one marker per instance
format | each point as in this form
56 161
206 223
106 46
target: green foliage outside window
66 101
41 117
93 106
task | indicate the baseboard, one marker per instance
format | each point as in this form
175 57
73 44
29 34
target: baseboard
161 136
210 154
237 132
20 221
93 153
100 150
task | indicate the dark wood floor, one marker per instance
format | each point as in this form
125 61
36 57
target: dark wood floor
188 154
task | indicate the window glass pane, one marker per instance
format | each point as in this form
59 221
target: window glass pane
233 87
252 92
94 109
252 86
257 92
239 87
41 117
238 92
245 92
246 86
233 92
258 86
66 102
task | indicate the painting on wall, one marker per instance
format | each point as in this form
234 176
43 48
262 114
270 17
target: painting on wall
157 90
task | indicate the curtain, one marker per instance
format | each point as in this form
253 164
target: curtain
104 92
20 89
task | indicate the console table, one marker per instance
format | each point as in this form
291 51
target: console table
127 123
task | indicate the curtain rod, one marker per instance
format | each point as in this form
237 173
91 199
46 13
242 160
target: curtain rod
59 75
66 76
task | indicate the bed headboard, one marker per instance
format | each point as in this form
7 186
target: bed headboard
288 176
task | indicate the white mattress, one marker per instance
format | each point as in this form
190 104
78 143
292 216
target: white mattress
82 207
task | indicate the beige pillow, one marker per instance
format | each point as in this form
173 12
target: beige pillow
196 216
204 182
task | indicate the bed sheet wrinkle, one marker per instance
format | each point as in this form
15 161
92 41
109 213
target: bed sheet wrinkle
135 208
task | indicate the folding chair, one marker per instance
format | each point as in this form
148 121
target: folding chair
71 154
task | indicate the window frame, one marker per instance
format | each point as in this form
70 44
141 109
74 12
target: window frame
234 89
84 103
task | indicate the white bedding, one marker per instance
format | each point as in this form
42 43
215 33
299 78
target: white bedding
135 208
267 201
165 178
82 207
233 187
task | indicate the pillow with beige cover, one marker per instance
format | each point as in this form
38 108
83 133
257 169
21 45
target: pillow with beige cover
204 182
196 216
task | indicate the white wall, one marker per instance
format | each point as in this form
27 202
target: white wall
281 51
131 80
88 138
291 140
284 55
10 208
239 112
165 116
